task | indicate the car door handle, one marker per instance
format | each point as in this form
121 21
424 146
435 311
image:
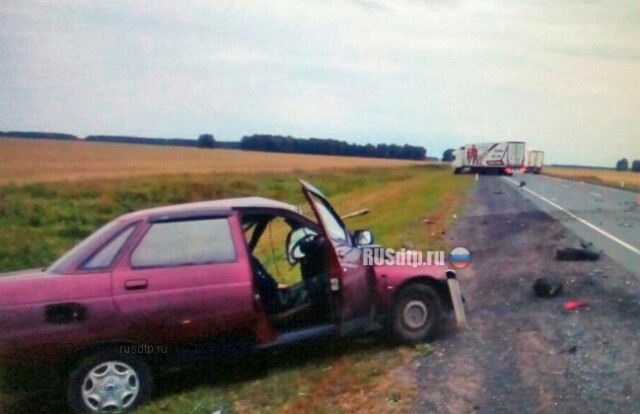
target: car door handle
138 284
64 313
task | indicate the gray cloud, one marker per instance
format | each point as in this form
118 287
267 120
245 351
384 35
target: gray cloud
436 73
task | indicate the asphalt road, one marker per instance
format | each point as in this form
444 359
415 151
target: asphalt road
524 354
608 217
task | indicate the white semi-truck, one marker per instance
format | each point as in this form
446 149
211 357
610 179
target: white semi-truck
535 160
490 158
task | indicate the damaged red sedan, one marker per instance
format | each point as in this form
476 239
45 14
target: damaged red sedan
204 279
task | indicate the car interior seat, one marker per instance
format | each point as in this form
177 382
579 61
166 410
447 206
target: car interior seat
266 286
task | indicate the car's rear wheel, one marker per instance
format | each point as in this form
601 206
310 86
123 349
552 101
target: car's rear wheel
416 314
109 381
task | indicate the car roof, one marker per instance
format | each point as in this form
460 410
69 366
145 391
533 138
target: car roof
224 204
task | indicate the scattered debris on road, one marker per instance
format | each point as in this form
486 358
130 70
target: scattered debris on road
523 183
573 254
574 304
586 244
525 354
597 272
547 287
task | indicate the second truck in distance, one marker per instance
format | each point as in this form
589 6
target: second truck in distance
535 159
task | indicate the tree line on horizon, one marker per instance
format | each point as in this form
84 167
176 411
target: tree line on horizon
277 143
256 142
623 165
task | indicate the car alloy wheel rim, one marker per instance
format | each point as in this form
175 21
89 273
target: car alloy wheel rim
415 314
110 386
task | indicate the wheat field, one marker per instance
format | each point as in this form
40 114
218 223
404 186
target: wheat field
29 160
611 178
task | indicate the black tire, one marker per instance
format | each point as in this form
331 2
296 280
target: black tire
414 300
128 368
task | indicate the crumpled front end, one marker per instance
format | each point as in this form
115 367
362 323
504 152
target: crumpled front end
390 278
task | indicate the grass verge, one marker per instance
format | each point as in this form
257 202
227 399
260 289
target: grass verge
408 206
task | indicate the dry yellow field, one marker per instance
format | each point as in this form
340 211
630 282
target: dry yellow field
27 160
625 179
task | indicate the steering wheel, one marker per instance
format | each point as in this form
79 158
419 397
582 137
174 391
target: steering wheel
297 246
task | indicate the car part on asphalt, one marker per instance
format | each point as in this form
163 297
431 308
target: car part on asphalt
547 287
574 304
573 254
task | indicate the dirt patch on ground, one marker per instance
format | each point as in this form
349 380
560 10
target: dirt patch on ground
524 354
362 385
436 223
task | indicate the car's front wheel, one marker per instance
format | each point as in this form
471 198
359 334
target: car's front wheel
109 381
416 314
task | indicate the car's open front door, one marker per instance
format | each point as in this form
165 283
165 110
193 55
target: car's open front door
349 279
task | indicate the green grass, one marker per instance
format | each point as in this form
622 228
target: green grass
39 222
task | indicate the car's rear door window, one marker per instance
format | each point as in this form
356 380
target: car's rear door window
182 243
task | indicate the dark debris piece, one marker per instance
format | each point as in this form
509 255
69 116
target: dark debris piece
572 254
547 287
586 244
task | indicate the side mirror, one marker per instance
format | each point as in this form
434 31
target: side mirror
363 237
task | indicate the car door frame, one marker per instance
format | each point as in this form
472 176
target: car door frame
265 329
181 331
350 280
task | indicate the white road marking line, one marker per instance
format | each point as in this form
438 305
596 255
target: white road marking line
581 220
595 194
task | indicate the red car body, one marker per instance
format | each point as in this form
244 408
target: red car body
69 311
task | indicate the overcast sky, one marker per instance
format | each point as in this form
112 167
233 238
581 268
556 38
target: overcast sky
562 75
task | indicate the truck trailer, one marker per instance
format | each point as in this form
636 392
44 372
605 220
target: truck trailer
535 159
499 158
